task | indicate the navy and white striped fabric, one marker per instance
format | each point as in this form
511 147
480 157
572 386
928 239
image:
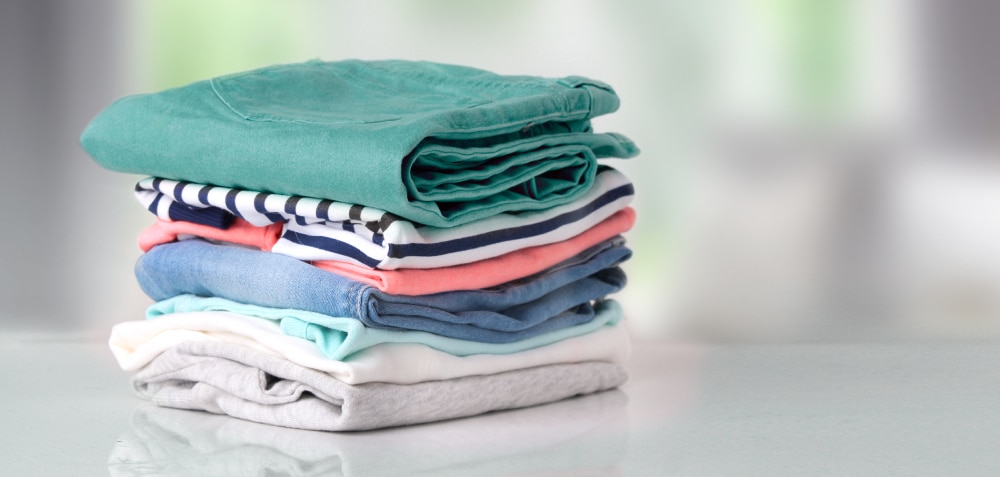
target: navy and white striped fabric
320 229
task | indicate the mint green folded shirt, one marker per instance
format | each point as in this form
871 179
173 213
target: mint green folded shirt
338 338
436 144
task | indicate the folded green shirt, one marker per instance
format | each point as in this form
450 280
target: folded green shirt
436 144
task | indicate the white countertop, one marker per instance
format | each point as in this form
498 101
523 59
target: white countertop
823 409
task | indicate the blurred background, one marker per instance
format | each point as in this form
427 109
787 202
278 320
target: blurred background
812 170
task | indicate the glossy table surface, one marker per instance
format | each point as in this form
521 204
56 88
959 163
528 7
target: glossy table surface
782 409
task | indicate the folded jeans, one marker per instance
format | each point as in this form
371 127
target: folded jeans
511 312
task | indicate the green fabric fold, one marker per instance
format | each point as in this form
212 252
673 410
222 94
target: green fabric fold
436 144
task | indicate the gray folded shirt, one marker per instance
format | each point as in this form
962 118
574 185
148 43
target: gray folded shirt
231 379
570 437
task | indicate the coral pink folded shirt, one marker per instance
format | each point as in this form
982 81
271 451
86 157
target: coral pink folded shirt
407 281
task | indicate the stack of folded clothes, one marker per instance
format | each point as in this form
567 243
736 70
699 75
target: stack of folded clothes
362 244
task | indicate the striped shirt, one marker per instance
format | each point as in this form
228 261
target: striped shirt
320 229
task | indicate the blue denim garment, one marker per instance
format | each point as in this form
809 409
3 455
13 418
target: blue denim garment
338 338
435 144
503 314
